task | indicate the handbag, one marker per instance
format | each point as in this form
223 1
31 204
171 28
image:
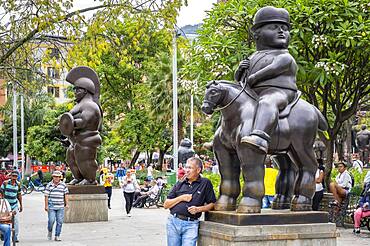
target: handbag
5 217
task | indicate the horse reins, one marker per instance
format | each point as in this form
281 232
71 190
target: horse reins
233 100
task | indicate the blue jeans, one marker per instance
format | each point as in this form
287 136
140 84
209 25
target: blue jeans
5 230
181 232
267 201
16 223
58 215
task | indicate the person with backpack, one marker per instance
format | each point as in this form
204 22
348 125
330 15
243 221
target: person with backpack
363 209
12 193
342 184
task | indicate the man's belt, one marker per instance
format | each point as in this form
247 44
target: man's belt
183 217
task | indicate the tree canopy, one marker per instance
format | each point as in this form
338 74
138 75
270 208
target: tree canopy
329 40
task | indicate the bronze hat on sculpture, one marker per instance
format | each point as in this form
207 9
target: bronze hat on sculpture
270 14
85 77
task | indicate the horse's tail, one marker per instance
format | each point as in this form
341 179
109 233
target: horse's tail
323 125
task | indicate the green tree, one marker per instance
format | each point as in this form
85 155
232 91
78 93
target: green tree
329 42
42 140
119 47
29 25
35 107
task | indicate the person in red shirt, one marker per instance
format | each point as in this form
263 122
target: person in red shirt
180 172
3 176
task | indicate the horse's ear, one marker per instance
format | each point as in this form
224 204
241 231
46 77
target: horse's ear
213 82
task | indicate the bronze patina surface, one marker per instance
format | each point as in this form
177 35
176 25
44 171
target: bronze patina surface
81 126
263 114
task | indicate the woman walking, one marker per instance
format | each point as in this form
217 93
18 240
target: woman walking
129 186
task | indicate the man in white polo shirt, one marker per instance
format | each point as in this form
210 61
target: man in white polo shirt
55 201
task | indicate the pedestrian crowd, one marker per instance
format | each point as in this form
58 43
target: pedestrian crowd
192 195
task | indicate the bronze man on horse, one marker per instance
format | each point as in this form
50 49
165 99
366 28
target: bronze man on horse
265 115
270 72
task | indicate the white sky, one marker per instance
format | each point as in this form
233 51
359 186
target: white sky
192 14
195 12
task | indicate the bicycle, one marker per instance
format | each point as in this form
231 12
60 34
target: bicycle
31 187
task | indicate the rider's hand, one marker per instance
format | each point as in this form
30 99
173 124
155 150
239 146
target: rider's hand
186 197
244 64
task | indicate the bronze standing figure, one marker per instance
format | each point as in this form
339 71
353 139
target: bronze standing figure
265 115
82 124
185 150
363 143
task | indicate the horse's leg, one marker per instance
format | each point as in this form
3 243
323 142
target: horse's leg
285 180
253 173
229 167
304 190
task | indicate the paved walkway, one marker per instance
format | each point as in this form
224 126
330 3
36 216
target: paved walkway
145 227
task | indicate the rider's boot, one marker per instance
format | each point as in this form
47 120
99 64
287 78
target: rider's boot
208 145
258 140
75 181
87 182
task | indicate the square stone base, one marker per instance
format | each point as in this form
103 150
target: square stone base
217 234
86 208
267 217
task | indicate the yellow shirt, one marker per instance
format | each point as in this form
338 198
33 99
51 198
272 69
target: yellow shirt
108 179
270 180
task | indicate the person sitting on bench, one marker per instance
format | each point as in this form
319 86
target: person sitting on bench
342 184
152 193
363 209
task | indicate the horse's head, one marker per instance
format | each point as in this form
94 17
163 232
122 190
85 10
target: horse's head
214 95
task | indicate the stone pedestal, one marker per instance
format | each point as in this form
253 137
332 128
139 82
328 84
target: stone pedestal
86 204
268 228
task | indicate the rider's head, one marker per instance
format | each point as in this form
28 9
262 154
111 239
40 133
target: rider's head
85 81
271 28
82 87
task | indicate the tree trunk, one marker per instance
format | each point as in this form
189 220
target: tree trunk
348 139
161 161
329 159
150 157
134 158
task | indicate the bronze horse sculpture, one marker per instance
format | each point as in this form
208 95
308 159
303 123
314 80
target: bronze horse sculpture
291 146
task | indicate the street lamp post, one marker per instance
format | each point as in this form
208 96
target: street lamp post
15 145
174 103
22 136
192 118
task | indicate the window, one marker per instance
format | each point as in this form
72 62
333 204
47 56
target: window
54 52
53 73
54 91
